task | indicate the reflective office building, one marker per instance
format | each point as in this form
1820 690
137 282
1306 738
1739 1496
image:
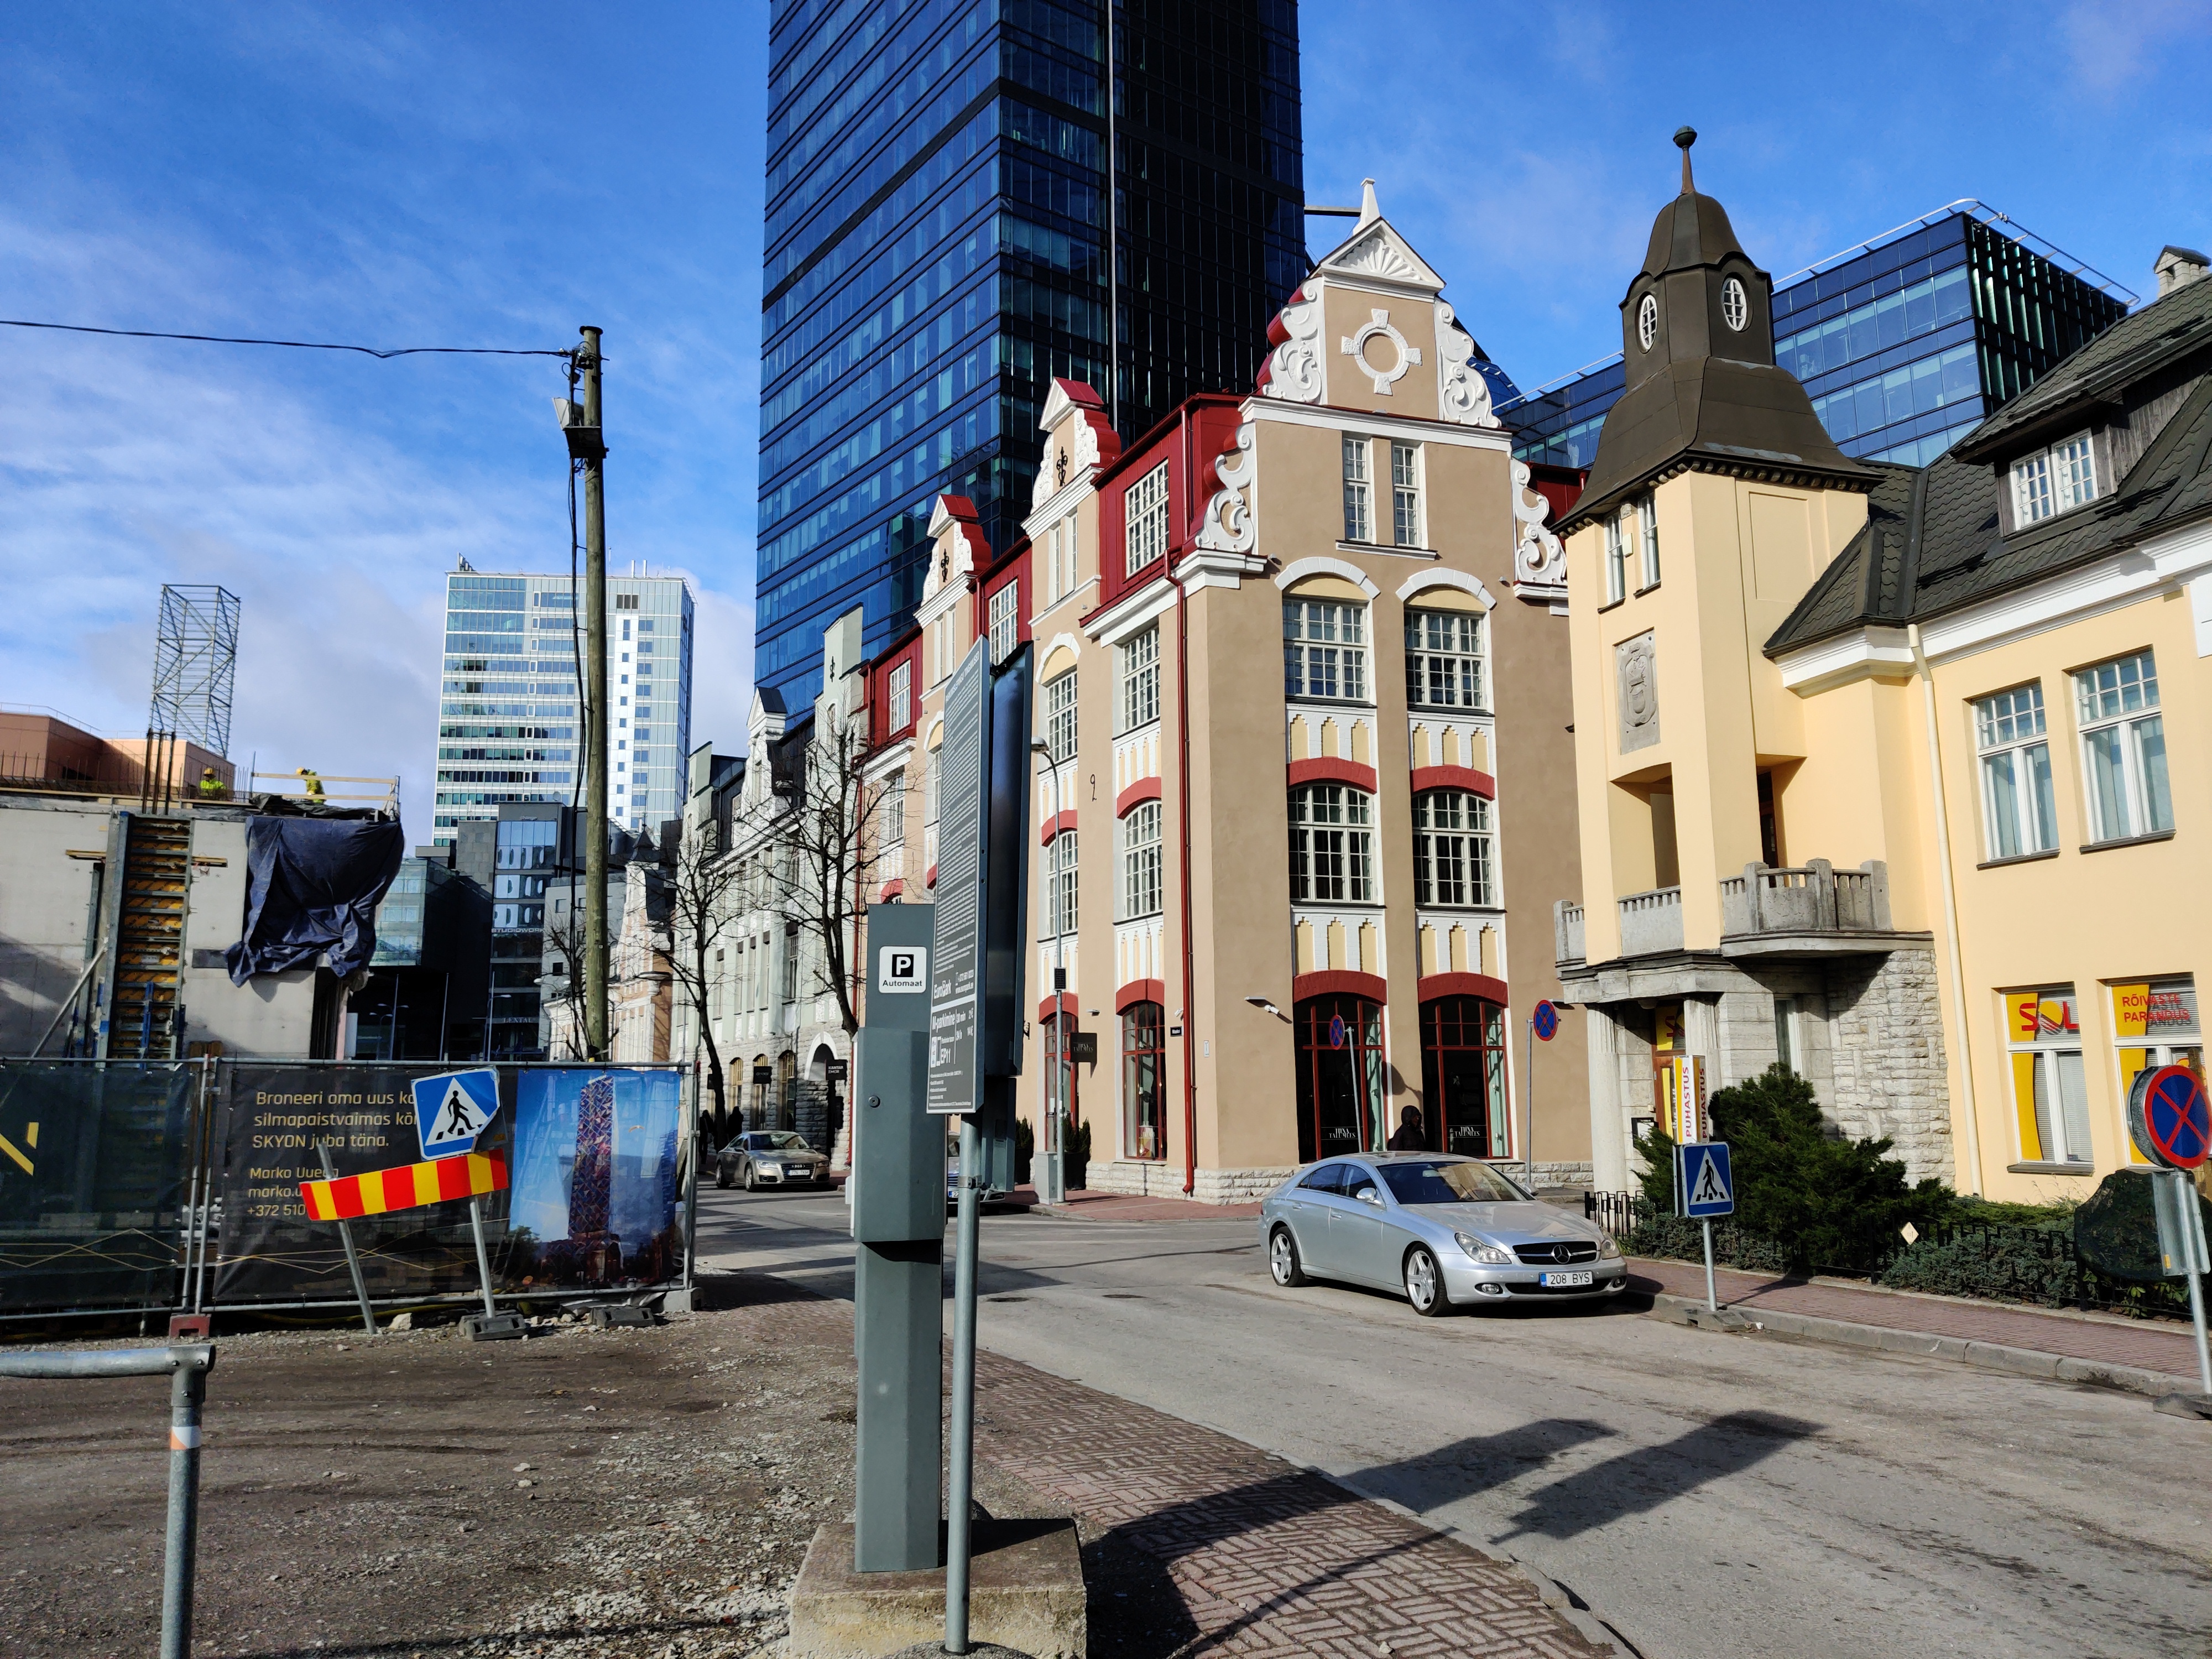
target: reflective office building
1905 343
941 241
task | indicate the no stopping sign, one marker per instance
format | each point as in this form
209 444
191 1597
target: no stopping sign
2170 1117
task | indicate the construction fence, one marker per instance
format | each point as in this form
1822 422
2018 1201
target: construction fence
131 1186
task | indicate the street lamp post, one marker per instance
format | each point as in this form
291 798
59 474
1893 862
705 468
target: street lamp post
1052 1177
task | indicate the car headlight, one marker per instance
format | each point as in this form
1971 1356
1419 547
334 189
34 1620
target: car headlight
1607 1250
1488 1254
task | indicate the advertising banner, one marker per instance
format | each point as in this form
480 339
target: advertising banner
595 1191
275 1118
92 1174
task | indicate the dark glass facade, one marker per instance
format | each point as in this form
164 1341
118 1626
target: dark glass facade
940 244
1903 349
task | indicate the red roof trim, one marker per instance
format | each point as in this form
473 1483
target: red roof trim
1054 826
1329 769
1426 778
1433 986
1140 990
1136 794
1339 982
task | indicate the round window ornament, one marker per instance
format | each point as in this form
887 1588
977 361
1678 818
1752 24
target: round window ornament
1647 321
1735 307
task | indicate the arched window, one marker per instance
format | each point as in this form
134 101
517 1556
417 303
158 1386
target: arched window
1453 849
1463 1076
1144 1079
1331 845
1141 884
1340 1075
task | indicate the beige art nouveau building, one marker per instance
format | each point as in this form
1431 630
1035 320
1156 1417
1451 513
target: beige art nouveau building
1890 773
1304 799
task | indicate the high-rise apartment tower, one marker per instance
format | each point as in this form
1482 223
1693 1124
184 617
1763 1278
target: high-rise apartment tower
957 212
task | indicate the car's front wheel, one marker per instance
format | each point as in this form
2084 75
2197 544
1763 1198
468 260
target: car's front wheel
1424 1283
1283 1260
722 1180
752 1181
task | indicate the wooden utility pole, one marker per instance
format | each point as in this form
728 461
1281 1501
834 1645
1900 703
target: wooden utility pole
594 454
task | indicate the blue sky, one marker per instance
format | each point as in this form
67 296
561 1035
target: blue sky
496 174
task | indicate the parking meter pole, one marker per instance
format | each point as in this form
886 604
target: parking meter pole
187 1394
960 1483
484 1257
1712 1303
1529 1105
2196 1313
345 1238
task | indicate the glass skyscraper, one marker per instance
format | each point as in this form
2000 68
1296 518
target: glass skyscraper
508 727
942 241
1905 343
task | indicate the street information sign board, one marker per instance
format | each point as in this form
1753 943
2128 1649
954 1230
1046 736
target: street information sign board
452 1109
2170 1116
1545 1022
956 954
1706 1184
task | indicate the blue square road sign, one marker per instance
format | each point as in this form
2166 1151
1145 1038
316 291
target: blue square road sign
453 1108
1702 1175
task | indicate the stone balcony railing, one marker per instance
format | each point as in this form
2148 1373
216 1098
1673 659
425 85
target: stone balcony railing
1567 930
1651 922
1815 907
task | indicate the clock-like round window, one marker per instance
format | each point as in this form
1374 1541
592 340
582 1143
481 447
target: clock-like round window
1647 321
1734 308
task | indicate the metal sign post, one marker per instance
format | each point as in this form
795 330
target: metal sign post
1706 1188
2170 1120
1543 1026
345 1238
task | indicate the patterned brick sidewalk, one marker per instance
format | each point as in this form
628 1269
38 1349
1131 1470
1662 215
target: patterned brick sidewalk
2159 1347
1268 1558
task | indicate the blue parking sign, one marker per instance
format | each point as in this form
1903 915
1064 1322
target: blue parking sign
453 1108
1702 1176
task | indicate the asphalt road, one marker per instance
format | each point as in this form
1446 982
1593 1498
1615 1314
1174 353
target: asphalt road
1711 1496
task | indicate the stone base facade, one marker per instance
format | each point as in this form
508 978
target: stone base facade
1555 1176
1239 1186
1139 1179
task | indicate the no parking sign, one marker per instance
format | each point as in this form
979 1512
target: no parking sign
2170 1117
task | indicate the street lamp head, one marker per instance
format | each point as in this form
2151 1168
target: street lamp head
1263 1003
1039 746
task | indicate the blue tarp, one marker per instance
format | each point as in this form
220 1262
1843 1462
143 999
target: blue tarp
312 885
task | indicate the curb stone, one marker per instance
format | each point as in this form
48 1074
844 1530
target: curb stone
2022 1362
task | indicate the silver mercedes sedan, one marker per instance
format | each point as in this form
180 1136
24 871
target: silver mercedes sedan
1445 1231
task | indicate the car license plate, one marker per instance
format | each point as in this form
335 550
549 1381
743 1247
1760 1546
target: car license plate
1566 1279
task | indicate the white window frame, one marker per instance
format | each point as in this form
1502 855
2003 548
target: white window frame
894 809
1454 851
1359 490
940 648
2125 787
1616 560
1061 912
932 779
1325 647
1406 495
2059 1080
902 696
2013 766
1060 717
1143 884
2054 480
1067 555
1332 845
1447 651
1647 517
1146 508
1140 680
1006 620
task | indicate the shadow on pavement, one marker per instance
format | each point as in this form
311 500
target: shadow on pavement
724 1292
1643 1479
1429 1481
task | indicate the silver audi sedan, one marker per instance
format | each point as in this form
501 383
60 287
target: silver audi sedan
1444 1231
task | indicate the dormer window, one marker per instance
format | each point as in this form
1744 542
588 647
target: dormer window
2051 480
1647 321
1735 310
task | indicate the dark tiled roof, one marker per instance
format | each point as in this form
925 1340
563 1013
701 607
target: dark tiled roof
2130 350
1944 552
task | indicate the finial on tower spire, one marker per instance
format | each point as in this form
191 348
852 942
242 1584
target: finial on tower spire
1369 210
1684 137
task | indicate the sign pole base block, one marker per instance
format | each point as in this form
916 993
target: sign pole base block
495 1327
2183 1405
1710 1319
1026 1595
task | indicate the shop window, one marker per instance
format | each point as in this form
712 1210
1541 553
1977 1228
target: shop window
1463 1077
1060 1075
1144 1073
1340 1075
2123 749
2154 1023
2050 1088
2018 815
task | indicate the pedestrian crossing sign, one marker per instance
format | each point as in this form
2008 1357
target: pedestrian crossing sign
453 1108
1702 1176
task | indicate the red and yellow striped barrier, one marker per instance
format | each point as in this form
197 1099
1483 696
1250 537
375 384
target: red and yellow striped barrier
470 1175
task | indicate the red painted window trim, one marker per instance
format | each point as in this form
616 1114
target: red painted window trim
1140 990
1136 794
1339 982
1329 769
930 880
1053 826
1433 986
891 890
1059 1002
1426 778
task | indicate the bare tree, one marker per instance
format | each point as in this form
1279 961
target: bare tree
564 932
703 893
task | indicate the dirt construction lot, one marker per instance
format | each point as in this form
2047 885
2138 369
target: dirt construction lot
419 1494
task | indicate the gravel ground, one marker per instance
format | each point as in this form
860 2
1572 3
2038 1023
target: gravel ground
595 1492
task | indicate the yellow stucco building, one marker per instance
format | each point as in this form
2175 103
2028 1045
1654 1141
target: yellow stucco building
1888 772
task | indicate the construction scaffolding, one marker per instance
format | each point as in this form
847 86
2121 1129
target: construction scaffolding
194 662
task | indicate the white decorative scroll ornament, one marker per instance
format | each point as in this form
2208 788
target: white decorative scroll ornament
1462 395
1071 451
1052 472
1378 327
1086 441
1229 527
1295 372
1540 563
